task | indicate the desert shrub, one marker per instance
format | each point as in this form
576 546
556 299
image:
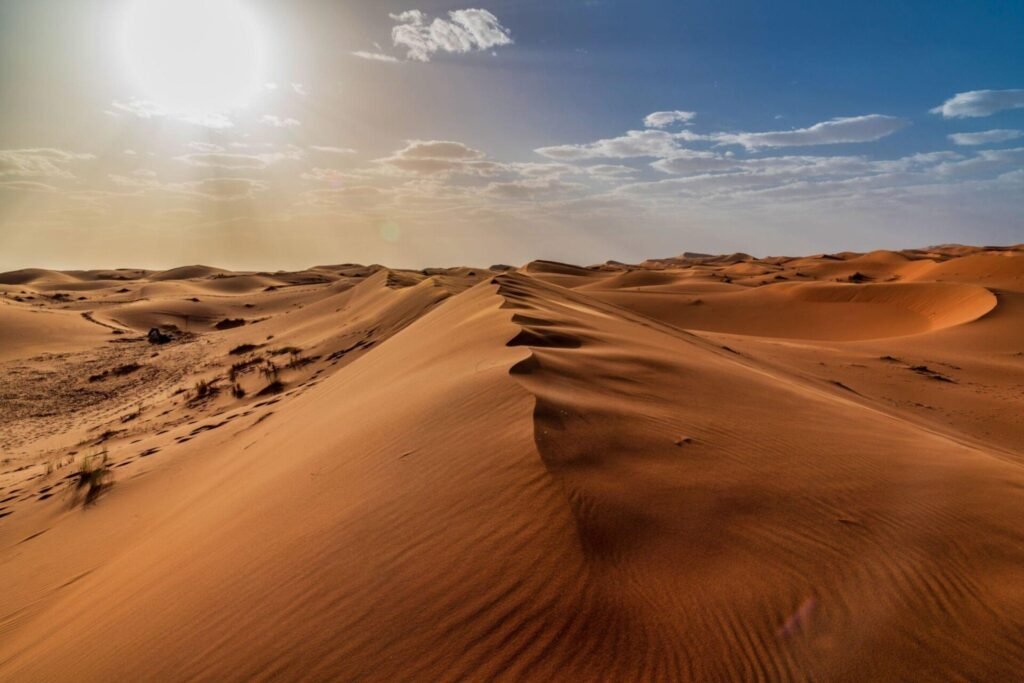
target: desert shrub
93 477
243 349
202 389
126 369
241 366
297 361
134 415
269 370
237 391
275 387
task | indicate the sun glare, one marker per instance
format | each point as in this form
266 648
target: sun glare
195 56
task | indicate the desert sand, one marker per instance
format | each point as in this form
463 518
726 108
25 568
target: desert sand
706 468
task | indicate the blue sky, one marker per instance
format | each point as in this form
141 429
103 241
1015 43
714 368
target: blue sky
424 133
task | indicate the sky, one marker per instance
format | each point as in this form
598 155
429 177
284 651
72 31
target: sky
264 135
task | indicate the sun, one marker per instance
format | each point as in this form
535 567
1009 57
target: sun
193 56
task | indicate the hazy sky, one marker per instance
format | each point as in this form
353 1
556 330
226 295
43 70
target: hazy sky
282 134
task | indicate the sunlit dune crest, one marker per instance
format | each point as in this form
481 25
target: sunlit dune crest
702 467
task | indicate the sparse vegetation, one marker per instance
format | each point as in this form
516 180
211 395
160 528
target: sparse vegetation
928 372
107 436
243 349
119 371
269 370
125 369
229 323
93 476
241 366
202 389
237 391
275 387
134 415
297 361
290 350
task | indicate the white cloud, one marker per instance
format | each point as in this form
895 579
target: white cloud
136 181
987 137
42 162
332 176
26 186
240 161
686 161
635 143
356 196
147 110
375 56
466 30
216 189
205 147
799 178
609 171
223 160
664 119
985 162
543 169
327 149
143 109
439 149
439 157
850 129
280 122
533 189
300 89
976 103
225 189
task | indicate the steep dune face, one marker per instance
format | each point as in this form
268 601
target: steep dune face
549 474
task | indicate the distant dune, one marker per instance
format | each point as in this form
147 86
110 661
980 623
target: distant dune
702 468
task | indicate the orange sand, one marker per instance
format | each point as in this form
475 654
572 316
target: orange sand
697 468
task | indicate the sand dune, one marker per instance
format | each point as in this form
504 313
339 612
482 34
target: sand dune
30 276
697 468
187 273
823 311
32 332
